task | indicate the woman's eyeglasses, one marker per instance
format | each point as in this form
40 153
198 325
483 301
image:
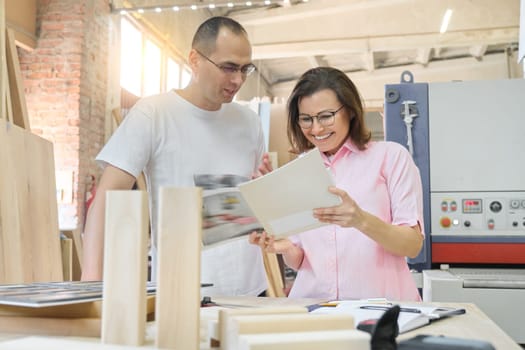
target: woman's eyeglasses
325 118
229 68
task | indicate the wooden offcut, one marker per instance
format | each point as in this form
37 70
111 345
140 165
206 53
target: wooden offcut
281 323
125 268
330 340
226 322
178 270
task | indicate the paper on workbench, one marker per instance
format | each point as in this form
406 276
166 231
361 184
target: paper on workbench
283 200
413 317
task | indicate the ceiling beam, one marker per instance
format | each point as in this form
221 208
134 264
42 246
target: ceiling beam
312 9
385 43
424 55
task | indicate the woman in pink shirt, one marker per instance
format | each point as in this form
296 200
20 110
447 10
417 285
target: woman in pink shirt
362 252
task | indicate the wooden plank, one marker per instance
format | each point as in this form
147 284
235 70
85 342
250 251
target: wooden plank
273 274
66 247
21 16
333 340
226 321
76 237
40 211
125 268
8 104
282 323
14 268
3 64
29 236
49 326
91 309
178 270
16 83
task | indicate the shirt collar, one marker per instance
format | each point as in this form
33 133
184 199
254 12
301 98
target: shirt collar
345 148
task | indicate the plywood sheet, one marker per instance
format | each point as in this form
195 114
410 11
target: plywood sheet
29 235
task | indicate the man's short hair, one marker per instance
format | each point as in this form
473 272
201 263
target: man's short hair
205 37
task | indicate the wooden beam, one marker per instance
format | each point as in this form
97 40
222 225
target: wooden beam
3 64
178 269
51 326
226 322
329 339
125 268
66 245
281 323
274 50
16 83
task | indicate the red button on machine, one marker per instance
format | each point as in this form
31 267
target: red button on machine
445 222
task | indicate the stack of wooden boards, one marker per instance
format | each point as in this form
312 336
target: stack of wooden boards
287 328
29 234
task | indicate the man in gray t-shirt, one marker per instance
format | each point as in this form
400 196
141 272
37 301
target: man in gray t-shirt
181 133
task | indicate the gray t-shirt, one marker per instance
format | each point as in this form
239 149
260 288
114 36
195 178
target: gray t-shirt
171 140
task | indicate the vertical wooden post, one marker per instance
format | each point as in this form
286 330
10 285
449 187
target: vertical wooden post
16 83
177 310
125 268
3 64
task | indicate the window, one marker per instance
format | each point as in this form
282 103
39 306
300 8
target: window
131 58
152 69
147 64
173 75
186 77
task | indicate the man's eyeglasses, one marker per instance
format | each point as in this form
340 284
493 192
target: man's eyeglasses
229 68
325 118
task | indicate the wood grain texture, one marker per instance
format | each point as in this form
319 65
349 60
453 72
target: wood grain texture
178 270
281 323
226 322
332 340
16 83
3 64
66 245
125 268
29 234
79 327
77 256
273 274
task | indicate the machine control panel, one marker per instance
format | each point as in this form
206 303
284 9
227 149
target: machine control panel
478 213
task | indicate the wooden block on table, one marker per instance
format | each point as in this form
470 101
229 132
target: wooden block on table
328 339
281 323
226 322
178 268
125 268
50 326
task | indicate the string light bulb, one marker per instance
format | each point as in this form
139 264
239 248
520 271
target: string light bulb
196 6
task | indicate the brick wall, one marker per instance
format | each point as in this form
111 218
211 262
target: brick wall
66 80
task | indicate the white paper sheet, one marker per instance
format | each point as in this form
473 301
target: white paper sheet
283 200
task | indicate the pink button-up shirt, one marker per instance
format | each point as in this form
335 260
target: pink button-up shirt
343 263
